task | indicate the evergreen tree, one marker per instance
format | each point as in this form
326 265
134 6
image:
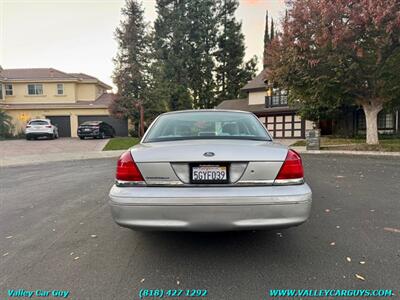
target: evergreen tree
231 73
171 52
202 42
266 39
272 29
131 74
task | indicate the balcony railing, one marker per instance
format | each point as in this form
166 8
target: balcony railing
276 101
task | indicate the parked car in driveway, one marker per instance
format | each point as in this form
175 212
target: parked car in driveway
209 170
95 129
36 128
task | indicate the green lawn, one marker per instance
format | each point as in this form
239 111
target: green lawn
356 144
121 143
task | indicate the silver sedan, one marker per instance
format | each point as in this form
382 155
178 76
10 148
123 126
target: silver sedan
209 170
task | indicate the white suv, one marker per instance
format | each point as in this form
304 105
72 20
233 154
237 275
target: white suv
40 127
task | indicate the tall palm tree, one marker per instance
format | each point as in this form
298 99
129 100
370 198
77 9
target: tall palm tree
6 125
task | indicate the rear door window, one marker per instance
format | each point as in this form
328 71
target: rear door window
39 122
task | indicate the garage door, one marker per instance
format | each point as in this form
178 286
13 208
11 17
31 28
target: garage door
285 126
63 124
120 125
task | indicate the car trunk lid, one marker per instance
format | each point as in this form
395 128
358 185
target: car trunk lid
171 163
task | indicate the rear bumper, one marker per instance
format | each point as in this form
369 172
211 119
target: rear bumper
38 134
88 134
210 209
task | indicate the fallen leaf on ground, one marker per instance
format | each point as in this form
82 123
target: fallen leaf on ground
391 229
76 258
9 237
372 210
337 226
362 262
5 254
142 280
327 210
333 244
339 176
178 282
360 277
348 259
93 235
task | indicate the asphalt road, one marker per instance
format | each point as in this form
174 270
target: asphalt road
49 213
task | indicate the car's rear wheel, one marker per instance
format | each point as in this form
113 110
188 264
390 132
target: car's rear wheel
82 137
102 135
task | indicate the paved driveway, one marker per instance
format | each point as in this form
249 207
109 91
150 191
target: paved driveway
14 148
56 232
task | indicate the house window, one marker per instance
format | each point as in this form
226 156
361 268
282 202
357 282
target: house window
385 121
278 98
9 89
35 89
60 89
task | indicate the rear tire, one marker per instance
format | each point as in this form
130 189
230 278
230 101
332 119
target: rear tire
102 135
82 137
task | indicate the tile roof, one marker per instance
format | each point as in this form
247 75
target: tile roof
46 74
35 73
257 82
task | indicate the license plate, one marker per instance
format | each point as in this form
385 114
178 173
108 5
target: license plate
209 174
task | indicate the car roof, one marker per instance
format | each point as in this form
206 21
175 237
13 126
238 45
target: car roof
92 122
32 120
206 110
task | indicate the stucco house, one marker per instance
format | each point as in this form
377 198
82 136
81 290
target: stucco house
270 105
68 99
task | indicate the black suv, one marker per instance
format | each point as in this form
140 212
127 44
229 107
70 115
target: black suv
95 129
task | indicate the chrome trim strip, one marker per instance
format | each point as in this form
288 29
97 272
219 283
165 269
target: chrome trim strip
165 183
289 181
173 183
255 182
122 183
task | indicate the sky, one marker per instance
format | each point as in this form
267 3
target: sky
78 35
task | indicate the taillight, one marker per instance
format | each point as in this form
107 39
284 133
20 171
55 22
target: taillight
291 171
127 169
28 126
48 126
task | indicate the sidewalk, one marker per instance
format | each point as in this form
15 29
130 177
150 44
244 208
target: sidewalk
302 150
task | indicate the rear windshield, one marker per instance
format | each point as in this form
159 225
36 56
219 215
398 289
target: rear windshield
207 125
91 123
38 122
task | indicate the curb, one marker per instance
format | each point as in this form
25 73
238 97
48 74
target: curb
303 150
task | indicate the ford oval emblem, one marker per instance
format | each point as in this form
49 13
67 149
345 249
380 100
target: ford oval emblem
209 154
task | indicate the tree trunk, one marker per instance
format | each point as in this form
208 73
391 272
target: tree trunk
371 120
